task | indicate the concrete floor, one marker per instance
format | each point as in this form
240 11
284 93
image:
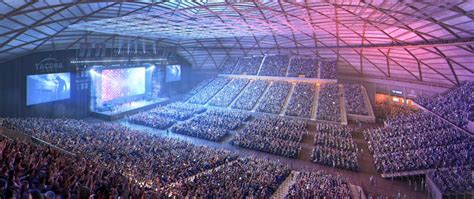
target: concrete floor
384 187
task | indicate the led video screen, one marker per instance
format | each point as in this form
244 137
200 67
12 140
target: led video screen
47 88
173 73
119 83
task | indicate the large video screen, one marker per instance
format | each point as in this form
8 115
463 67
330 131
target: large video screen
173 73
47 88
119 83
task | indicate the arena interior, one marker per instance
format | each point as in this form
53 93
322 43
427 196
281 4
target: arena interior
236 99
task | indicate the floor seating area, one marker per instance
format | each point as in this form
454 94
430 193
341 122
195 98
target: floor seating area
272 134
335 147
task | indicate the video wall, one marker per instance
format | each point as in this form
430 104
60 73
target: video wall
44 88
120 83
173 73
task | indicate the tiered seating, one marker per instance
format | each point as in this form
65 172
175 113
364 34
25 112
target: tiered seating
244 178
335 147
274 135
205 94
250 95
388 110
229 65
453 180
275 65
248 65
354 100
303 66
328 70
453 105
301 100
212 125
200 86
319 185
328 103
228 93
419 141
149 160
274 98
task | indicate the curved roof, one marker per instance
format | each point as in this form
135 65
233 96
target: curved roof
428 41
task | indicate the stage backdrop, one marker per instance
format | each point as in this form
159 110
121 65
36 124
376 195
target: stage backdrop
45 100
76 103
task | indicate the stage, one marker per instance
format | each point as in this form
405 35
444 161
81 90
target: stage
122 110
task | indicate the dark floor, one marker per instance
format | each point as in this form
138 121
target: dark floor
382 186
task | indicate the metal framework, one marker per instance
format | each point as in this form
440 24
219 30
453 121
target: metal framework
423 41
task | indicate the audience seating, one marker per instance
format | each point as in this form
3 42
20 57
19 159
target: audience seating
453 105
275 65
205 94
354 100
303 66
228 93
248 99
329 103
301 101
274 99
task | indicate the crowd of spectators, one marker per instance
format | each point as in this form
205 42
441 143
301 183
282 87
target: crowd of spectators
151 120
32 171
195 89
275 65
329 103
250 95
229 65
267 144
278 127
335 130
274 135
335 147
335 157
301 101
328 70
419 141
319 185
327 140
178 110
229 93
243 178
248 65
273 100
197 129
212 125
303 66
354 99
165 116
452 105
453 180
386 110
200 86
162 160
205 94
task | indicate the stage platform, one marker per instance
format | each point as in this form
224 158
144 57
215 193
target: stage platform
130 108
